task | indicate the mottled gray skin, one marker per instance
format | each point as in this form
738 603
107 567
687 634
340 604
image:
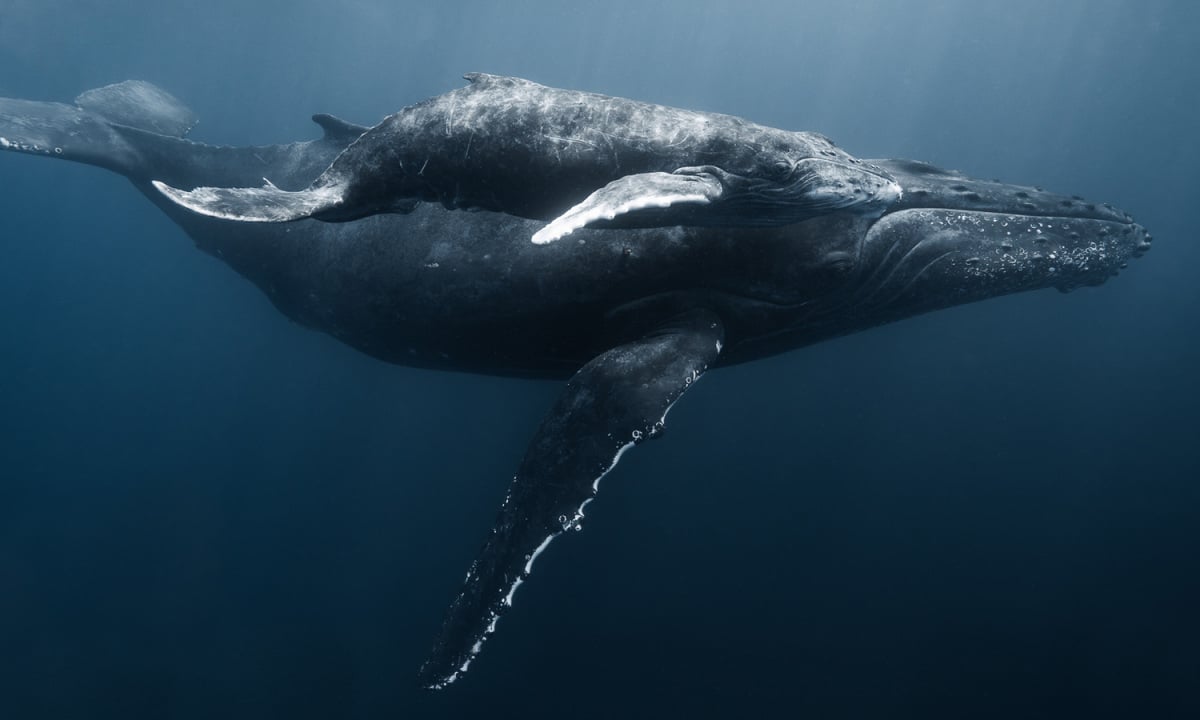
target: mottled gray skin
631 317
515 146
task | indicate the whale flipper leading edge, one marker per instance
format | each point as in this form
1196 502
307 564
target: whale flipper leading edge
615 401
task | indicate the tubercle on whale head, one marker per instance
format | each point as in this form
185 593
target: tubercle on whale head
829 184
782 190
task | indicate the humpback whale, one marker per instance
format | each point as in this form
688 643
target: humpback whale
630 319
515 146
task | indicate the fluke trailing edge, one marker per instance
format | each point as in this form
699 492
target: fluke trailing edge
581 159
630 318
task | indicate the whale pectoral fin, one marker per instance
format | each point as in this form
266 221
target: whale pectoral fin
261 204
616 400
640 198
707 195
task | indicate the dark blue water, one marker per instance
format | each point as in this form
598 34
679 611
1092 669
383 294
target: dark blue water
992 511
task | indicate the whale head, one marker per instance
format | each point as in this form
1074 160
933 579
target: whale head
951 239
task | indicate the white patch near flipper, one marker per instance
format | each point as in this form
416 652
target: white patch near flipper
533 556
262 204
629 195
507 601
616 459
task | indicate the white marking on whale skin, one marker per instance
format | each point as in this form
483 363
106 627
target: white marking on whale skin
570 141
566 224
616 459
4 143
507 601
540 548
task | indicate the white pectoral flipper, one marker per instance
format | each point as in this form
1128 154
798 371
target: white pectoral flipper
255 204
634 198
615 401
707 195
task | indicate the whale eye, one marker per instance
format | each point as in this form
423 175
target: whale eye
781 169
837 263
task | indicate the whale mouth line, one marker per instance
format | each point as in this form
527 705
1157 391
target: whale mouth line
1044 217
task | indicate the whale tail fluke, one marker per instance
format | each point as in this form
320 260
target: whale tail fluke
96 129
140 105
256 204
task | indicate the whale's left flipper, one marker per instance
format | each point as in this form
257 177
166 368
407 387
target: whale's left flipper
615 401
255 204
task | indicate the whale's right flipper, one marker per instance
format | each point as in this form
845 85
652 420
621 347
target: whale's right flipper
634 196
615 401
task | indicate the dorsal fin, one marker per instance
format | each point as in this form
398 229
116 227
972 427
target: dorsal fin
138 104
478 78
483 79
337 129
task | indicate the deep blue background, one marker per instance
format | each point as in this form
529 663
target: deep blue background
991 511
